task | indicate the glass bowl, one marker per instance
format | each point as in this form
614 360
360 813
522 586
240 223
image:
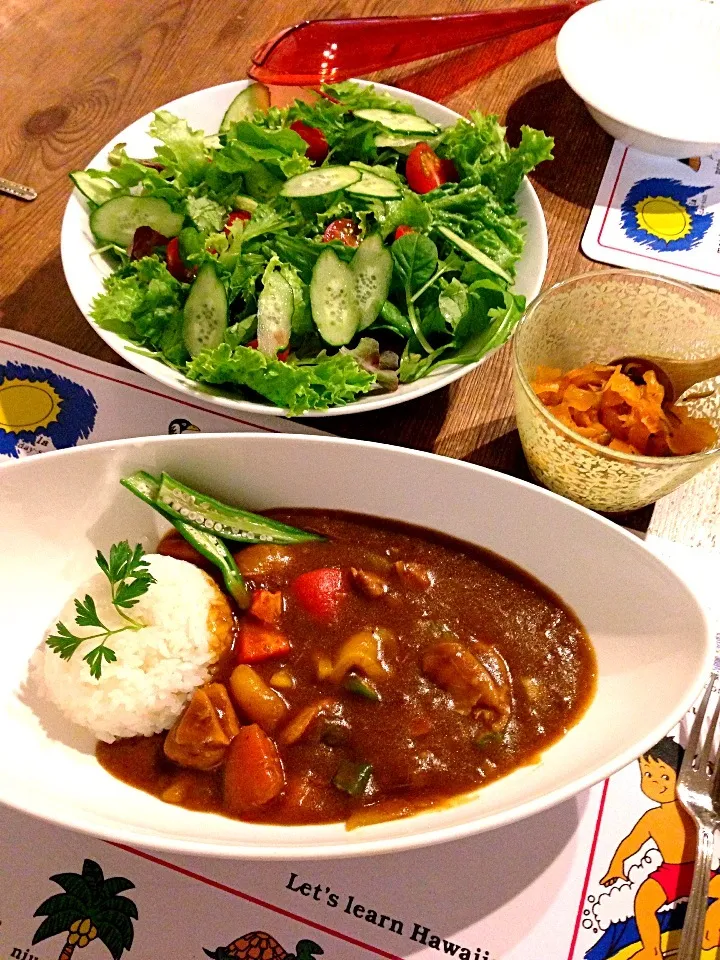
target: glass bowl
597 317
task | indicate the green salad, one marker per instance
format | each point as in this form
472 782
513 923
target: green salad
309 255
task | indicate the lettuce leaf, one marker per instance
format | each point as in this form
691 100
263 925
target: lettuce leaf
143 303
327 382
481 154
183 151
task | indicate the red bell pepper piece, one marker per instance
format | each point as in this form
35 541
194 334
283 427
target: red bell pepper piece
321 592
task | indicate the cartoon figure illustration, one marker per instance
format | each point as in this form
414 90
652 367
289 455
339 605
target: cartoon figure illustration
90 908
40 410
662 213
180 425
261 946
673 831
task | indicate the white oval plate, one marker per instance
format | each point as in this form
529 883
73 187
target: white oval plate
653 644
204 110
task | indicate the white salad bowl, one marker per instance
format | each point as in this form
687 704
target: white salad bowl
648 71
653 644
85 270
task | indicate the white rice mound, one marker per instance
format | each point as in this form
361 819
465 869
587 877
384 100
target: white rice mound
157 668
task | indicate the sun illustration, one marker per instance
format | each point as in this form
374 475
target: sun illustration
662 213
40 410
663 217
27 406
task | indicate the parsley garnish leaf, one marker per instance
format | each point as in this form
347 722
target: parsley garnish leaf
86 615
95 658
64 643
127 572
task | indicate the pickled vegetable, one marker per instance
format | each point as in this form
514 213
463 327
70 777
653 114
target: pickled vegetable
604 405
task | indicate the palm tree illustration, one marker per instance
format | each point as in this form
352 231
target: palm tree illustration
89 908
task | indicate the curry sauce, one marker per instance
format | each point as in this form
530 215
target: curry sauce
439 668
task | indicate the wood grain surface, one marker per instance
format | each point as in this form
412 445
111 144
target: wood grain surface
75 72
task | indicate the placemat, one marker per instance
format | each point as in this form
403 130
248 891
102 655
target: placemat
529 891
658 215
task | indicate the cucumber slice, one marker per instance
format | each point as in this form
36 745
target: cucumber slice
371 185
474 253
205 312
401 144
274 315
322 180
96 189
333 301
241 202
372 267
116 220
398 122
252 98
231 523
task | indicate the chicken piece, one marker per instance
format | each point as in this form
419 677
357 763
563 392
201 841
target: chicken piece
202 734
414 575
479 685
369 584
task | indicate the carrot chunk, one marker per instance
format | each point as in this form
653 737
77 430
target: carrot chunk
259 641
266 605
254 772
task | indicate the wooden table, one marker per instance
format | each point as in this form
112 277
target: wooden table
74 72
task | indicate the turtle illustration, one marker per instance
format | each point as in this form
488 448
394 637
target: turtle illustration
258 945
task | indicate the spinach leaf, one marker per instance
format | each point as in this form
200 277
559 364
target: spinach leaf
453 302
415 259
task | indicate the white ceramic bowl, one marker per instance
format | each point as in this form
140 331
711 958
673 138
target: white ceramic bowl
85 271
653 644
648 71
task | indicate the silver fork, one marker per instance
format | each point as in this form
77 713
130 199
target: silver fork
697 791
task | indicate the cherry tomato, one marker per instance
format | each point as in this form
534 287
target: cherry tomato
175 263
425 171
234 216
317 146
402 230
345 230
282 355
